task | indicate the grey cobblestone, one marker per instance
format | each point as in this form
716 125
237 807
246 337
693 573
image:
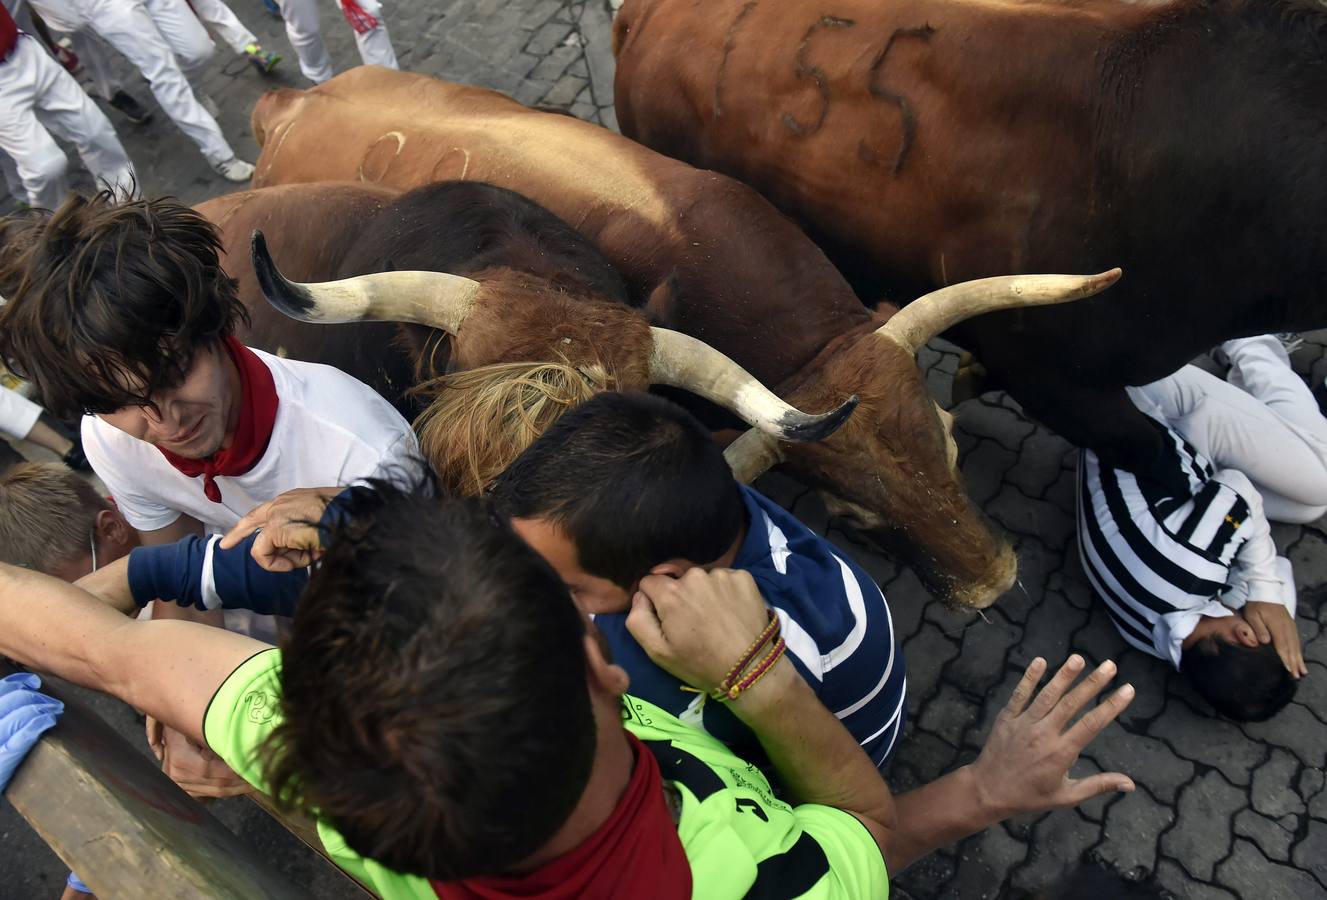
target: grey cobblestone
1206 807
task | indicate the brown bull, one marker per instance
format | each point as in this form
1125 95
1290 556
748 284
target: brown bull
924 142
703 254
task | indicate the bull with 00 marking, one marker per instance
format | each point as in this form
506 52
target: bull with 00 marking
708 256
926 142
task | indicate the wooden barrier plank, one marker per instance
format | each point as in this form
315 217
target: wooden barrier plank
126 828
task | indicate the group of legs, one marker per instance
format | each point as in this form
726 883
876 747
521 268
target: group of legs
167 42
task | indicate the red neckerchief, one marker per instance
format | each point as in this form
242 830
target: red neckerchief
8 34
258 403
358 18
635 853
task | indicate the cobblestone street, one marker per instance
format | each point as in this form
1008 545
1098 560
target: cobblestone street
1221 810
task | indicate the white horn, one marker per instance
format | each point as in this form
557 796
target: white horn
685 362
924 318
435 299
753 454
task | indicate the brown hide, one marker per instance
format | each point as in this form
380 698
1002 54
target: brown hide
714 259
881 122
513 319
310 228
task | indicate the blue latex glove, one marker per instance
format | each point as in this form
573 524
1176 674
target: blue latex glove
24 715
77 884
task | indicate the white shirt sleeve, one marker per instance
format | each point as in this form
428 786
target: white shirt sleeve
104 447
1170 631
1253 571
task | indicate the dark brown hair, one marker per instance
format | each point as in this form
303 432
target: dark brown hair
108 302
436 711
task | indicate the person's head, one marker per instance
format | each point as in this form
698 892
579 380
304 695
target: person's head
119 309
479 420
1243 683
442 695
52 520
622 486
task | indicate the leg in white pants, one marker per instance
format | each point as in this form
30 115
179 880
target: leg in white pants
225 23
187 37
127 26
36 93
301 17
17 413
1264 422
375 45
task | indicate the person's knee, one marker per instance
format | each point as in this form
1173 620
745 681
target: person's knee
195 54
43 166
1241 683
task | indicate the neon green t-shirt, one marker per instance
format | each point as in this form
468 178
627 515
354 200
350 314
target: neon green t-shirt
739 838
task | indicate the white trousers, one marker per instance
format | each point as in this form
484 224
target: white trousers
223 21
17 413
301 17
165 41
1263 422
37 97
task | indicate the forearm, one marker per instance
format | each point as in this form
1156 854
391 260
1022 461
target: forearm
818 760
935 815
110 585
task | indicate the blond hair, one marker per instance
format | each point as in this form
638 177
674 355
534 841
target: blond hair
479 420
47 515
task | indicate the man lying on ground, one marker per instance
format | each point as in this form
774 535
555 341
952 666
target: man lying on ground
455 721
1192 576
188 428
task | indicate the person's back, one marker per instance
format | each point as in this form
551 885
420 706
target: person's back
626 485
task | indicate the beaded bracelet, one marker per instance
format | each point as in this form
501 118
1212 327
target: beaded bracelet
735 682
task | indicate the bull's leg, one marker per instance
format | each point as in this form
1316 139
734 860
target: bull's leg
1103 420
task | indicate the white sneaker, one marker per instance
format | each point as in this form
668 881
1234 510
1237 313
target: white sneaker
235 169
208 104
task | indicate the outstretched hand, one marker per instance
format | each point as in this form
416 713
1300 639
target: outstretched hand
288 536
1025 764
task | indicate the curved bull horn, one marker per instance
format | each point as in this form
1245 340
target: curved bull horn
425 298
938 311
753 454
685 362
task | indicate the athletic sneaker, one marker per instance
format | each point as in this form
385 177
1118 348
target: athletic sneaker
272 7
1291 340
130 108
208 104
235 169
263 60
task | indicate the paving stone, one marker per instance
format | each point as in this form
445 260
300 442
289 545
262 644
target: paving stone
1059 837
1297 730
1210 741
1206 806
564 91
1273 791
1147 761
1309 558
1250 874
547 37
1271 836
1024 515
1311 852
982 862
948 716
927 653
921 759
1051 635
1039 463
1133 826
984 418
1181 885
982 653
983 470
926 877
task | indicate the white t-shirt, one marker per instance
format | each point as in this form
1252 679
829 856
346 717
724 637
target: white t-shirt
331 429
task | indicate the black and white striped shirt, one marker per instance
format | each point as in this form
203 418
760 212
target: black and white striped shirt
1160 559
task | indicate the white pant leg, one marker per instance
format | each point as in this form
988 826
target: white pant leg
97 62
17 413
127 26
13 184
222 20
375 46
65 109
1236 430
187 37
40 162
301 17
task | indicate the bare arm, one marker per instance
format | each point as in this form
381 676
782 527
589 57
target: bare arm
169 670
697 625
110 585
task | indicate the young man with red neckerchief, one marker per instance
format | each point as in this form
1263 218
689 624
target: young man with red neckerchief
123 313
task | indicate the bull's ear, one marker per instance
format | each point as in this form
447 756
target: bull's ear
661 306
